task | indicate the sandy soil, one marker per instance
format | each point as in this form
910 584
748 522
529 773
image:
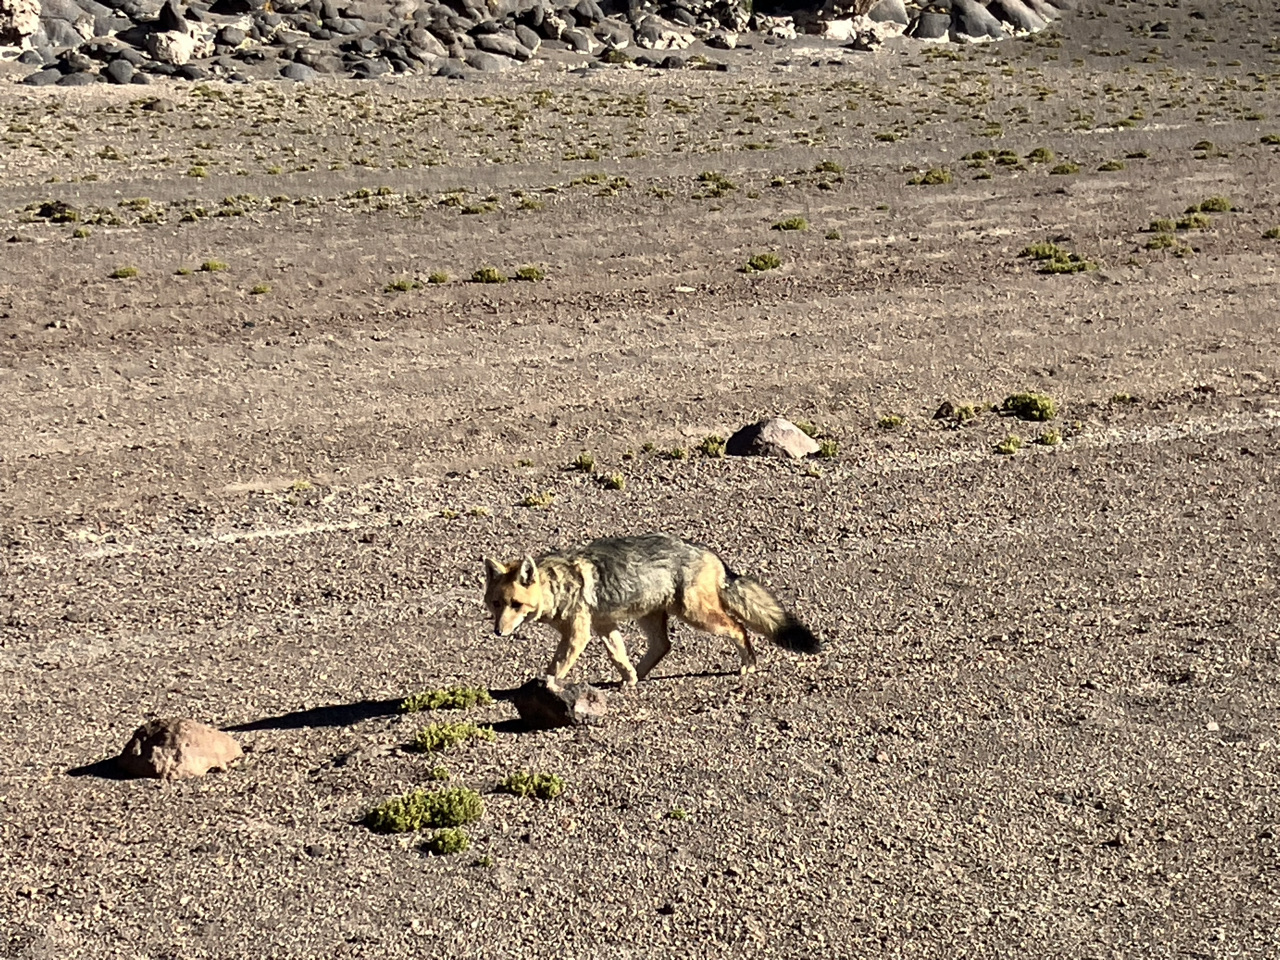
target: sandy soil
1046 722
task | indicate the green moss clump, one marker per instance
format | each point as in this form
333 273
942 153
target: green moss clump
1161 241
712 445
1216 204
614 481
447 841
448 698
828 166
488 275
1050 438
827 449
535 499
213 266
426 809
435 737
1030 406
1162 225
1041 155
931 178
792 223
890 422
1273 233
1195 221
544 786
761 262
584 463
437 277
124 273
1009 445
531 274
1065 169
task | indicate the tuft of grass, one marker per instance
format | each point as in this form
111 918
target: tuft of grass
403 285
1161 241
1055 259
538 500
1162 225
1215 204
447 841
1009 445
833 235
583 463
1110 165
488 275
124 273
1041 155
544 786
1030 406
792 223
712 445
714 184
677 813
1065 169
1050 438
447 698
1195 221
890 422
81 233
479 512
426 809
614 481
677 453
807 428
258 289
761 262
1272 233
437 277
436 737
827 449
828 166
213 266
531 274
197 171
931 178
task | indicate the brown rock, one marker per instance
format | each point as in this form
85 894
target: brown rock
177 748
771 438
543 703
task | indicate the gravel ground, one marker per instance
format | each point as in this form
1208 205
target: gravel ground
1046 720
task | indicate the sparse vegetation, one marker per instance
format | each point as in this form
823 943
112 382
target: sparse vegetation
828 449
712 445
890 422
488 275
538 499
403 285
258 289
124 273
1272 233
437 737
1195 221
530 274
807 428
1215 204
614 481
1065 168
1009 445
1054 259
1050 438
583 463
544 786
447 841
426 809
763 261
931 178
1041 155
792 223
448 698
677 813
437 277
213 266
1030 406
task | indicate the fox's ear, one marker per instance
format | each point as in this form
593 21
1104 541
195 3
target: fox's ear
493 569
528 572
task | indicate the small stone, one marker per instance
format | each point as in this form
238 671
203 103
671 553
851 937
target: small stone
298 72
118 71
177 748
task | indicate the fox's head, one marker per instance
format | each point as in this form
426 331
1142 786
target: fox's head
512 594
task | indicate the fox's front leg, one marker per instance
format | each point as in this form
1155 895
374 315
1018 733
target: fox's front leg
573 640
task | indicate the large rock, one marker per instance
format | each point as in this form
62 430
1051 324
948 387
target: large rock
19 19
654 33
771 438
171 47
971 21
176 749
930 26
889 11
1015 13
544 703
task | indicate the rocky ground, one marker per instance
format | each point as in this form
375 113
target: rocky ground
261 426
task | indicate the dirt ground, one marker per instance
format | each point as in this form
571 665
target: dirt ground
1046 720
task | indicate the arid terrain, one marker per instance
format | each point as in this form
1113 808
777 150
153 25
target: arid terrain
249 479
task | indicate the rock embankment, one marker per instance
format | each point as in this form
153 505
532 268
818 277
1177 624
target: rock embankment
76 42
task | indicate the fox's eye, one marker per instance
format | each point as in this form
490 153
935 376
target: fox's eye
515 604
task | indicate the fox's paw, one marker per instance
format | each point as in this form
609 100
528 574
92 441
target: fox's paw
746 668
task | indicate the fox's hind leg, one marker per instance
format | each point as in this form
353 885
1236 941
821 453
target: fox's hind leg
654 627
702 609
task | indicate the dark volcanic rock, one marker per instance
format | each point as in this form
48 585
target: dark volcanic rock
118 71
544 703
43 78
970 19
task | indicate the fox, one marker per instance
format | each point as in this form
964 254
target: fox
598 586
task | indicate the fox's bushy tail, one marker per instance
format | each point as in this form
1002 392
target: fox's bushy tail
760 611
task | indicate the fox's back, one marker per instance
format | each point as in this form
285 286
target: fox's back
640 573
